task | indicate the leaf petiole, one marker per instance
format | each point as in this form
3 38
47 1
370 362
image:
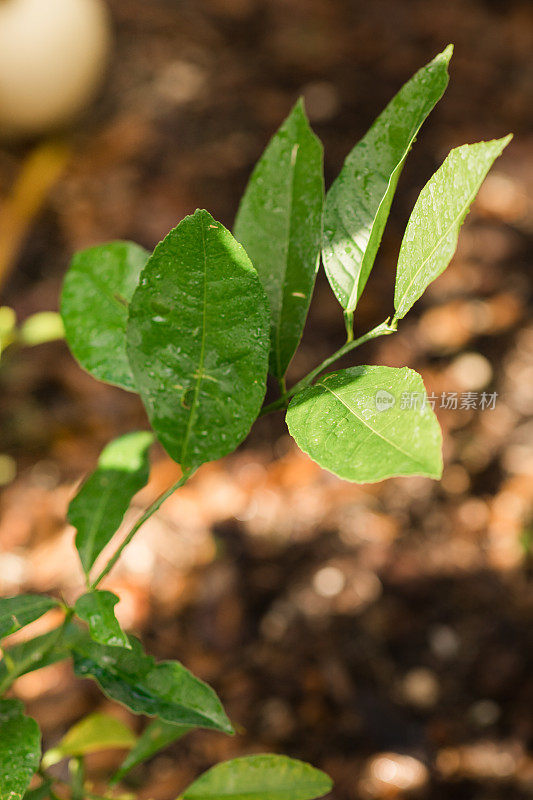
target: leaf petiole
384 329
348 322
77 777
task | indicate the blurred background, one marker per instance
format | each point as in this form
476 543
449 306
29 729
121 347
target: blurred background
382 632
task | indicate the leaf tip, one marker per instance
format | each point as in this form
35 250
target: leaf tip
505 140
298 112
447 53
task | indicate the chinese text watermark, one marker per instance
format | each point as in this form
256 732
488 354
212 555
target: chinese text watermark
452 401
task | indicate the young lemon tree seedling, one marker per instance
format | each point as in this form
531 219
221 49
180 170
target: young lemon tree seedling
193 328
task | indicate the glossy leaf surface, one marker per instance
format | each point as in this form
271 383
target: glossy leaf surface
92 734
99 507
20 749
94 306
260 777
157 735
359 201
198 341
431 235
362 425
96 608
17 612
279 223
166 690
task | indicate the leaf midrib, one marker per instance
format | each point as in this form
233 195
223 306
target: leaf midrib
287 252
200 370
370 428
455 221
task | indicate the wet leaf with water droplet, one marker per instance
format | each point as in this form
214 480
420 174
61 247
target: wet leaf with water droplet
166 690
20 749
279 223
368 423
94 306
432 232
359 201
208 359
96 608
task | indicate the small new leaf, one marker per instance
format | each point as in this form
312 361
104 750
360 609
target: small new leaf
279 223
156 735
359 201
99 507
92 734
94 306
96 608
432 232
20 750
198 341
166 690
366 424
260 777
17 612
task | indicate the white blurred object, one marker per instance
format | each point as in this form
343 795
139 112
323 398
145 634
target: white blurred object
52 58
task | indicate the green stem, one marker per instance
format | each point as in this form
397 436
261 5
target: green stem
278 404
156 505
380 330
77 777
348 322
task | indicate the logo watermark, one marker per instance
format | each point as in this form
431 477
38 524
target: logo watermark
452 401
384 400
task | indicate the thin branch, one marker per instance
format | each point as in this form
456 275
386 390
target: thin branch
380 330
155 506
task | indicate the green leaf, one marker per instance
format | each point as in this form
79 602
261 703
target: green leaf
94 306
96 608
198 341
156 735
368 423
261 777
92 734
16 612
279 223
166 690
359 201
39 652
431 235
99 507
20 750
